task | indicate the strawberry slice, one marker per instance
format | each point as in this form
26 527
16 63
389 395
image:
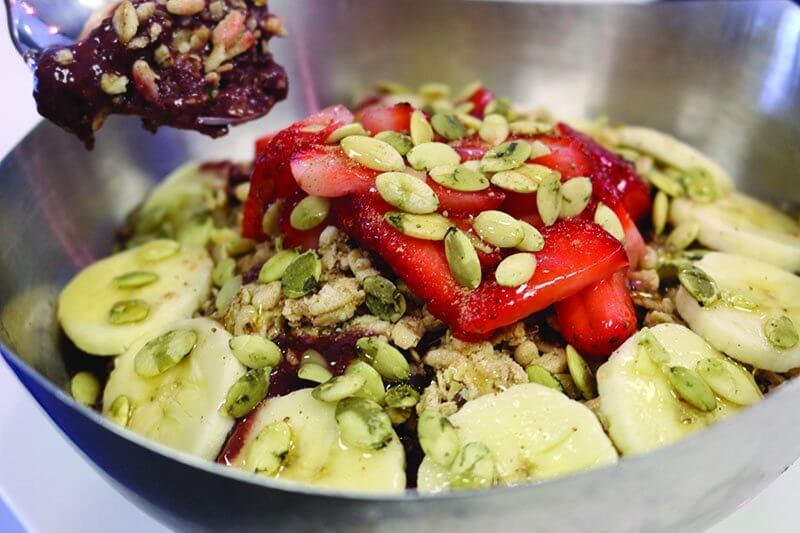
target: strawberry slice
376 119
326 171
261 145
467 202
470 148
597 320
479 100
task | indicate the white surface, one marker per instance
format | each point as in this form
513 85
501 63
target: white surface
51 488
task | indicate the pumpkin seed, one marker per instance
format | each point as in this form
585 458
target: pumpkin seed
238 246
399 141
420 128
498 228
448 126
276 265
699 185
575 194
85 388
431 227
430 155
434 91
247 392
459 178
549 199
163 352
373 388
195 234
437 437
242 191
512 180
158 250
128 312
254 351
468 90
529 127
660 212
301 277
314 372
270 448
406 192
347 130
506 156
390 87
652 347
532 240
227 292
372 153
338 388
309 212
402 396
269 224
691 388
699 285
538 149
683 235
120 411
473 467
729 381
627 154
383 299
665 183
608 220
385 358
540 375
223 271
515 270
135 279
494 129
363 424
501 106
581 374
471 123
781 332
462 258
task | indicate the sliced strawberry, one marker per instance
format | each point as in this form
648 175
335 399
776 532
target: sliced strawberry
294 238
376 119
323 170
597 320
567 155
523 207
467 202
261 145
470 148
479 100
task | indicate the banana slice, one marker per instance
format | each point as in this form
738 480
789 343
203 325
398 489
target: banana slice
671 151
742 225
641 409
753 293
533 433
181 406
118 299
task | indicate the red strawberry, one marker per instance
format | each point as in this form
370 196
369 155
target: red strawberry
479 100
261 145
471 148
323 170
467 202
382 118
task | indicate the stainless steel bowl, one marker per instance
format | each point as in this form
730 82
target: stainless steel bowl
725 76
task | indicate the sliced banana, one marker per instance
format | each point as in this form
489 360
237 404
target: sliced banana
671 151
181 406
146 287
753 292
533 433
317 455
742 225
641 409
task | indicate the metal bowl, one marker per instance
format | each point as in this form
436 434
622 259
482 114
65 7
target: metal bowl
725 76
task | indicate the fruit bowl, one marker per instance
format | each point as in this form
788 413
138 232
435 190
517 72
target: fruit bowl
720 75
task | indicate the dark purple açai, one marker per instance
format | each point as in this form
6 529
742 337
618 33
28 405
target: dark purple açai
172 63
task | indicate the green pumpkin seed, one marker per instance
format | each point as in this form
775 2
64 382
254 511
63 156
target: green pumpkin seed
448 126
385 358
390 87
313 128
420 128
699 285
437 437
691 388
120 411
532 240
85 388
254 351
269 224
276 265
434 91
501 106
239 246
338 388
247 392
529 127
372 153
158 250
471 123
195 234
313 356
581 374
575 194
242 191
607 219
462 258
402 396
468 90
538 149
542 376
223 271
660 212
406 192
665 183
683 235
399 141
314 372
781 332
459 178
652 348
512 180
383 299
163 352
549 199
627 154
473 467
149 221
347 130
699 185
227 292
498 228
373 388
729 381
494 129
429 155
431 227
302 275
506 156
310 212
270 448
135 279
128 312
515 270
363 424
